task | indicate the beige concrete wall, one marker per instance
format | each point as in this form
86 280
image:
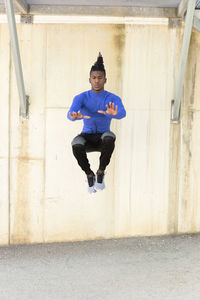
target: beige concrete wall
4 134
152 181
189 203
27 142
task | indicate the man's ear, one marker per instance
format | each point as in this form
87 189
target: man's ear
89 80
105 80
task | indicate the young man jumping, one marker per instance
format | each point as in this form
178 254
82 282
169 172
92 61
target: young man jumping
96 108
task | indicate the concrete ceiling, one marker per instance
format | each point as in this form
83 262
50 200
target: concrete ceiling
138 3
133 8
134 3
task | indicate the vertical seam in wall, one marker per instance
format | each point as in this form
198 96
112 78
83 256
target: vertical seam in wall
117 126
132 166
114 195
181 171
131 182
44 160
9 141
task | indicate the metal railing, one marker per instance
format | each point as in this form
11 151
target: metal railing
176 103
198 4
24 103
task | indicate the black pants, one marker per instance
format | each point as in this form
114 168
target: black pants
89 142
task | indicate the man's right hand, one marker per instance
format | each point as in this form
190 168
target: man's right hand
78 115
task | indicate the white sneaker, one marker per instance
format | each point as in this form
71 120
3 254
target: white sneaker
91 189
99 183
91 184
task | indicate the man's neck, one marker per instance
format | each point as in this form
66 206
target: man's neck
98 91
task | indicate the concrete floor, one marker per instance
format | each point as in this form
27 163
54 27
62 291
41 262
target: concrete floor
154 268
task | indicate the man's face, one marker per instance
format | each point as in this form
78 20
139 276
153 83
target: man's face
97 80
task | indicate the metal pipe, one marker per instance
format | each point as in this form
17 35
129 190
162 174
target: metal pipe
176 105
16 57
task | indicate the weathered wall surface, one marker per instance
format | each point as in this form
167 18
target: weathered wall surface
4 134
189 201
152 180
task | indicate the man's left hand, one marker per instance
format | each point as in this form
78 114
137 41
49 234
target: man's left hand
111 109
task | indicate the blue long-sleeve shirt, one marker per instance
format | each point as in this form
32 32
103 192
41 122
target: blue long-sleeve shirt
88 103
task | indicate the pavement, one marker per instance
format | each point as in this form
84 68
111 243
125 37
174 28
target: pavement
157 268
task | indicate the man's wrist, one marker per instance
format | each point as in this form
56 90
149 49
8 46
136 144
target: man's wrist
108 115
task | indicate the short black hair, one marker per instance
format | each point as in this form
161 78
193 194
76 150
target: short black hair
98 65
